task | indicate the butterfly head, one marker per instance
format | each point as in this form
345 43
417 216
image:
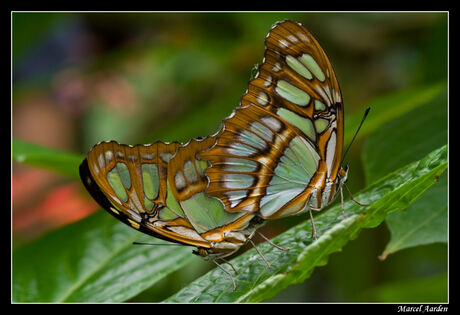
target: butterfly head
200 251
343 174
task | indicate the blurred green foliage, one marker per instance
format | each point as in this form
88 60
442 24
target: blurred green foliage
174 76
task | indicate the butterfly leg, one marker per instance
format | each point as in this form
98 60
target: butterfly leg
228 263
268 264
313 232
273 244
341 203
351 197
227 272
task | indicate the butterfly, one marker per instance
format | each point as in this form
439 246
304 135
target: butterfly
279 153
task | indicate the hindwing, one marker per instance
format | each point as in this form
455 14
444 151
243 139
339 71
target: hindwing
158 189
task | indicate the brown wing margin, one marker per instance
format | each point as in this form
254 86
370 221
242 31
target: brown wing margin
98 195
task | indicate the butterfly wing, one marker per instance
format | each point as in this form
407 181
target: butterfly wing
188 181
130 182
283 145
158 189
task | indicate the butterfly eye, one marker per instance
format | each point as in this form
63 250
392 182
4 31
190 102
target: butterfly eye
343 172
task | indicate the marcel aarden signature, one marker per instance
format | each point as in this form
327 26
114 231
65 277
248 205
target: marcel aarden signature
422 308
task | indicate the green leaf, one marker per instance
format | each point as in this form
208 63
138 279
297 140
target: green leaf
92 260
36 155
397 143
255 282
423 222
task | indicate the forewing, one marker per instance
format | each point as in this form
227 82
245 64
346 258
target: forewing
286 137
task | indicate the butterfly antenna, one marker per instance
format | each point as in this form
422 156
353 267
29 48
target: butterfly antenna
356 133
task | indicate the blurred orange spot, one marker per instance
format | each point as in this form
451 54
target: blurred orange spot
60 206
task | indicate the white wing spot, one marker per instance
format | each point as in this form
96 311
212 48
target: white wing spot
109 155
337 96
263 160
148 156
262 98
303 37
277 67
179 180
101 161
268 81
293 39
283 43
272 122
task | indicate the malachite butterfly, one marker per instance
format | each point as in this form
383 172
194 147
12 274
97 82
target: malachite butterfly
277 155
